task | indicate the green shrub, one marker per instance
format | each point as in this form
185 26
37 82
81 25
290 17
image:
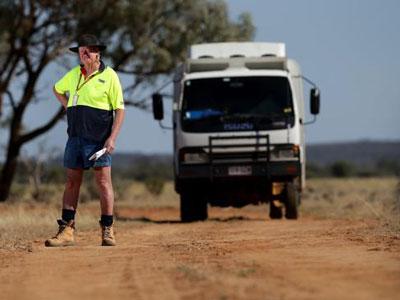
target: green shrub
154 185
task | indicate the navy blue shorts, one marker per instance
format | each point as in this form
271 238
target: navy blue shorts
77 153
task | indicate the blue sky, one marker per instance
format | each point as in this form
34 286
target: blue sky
350 48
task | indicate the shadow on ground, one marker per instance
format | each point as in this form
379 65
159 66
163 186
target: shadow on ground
149 220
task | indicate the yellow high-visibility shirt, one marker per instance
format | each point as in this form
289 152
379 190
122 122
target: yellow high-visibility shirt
91 101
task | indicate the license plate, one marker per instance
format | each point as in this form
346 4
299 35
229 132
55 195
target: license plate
240 170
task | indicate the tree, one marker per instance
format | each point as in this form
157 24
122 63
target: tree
147 40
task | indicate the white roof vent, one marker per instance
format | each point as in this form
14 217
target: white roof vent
237 49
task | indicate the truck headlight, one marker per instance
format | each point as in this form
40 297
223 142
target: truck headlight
194 158
286 152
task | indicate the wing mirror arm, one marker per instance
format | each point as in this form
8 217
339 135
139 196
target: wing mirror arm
163 126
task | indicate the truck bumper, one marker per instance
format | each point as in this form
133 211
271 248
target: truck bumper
271 170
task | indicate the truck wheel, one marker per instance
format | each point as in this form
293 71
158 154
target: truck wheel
193 207
292 200
275 212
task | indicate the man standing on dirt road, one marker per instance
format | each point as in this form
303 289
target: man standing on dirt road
92 95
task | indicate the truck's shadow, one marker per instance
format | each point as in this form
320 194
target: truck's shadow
148 220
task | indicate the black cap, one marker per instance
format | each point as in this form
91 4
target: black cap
86 40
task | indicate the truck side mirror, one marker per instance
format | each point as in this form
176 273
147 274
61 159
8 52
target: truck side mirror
158 109
314 101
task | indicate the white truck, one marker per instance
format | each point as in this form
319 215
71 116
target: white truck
238 128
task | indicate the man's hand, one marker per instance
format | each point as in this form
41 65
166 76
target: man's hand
110 145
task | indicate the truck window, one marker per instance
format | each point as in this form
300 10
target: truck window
237 103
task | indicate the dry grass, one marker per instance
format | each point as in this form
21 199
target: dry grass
136 195
24 220
355 198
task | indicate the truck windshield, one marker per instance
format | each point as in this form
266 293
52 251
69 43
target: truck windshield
237 104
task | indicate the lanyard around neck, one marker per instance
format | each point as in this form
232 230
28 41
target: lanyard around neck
78 87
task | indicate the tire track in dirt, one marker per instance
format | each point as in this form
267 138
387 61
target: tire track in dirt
146 278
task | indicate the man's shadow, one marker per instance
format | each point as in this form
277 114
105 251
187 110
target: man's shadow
215 219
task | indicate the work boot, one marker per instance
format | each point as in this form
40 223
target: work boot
107 235
64 236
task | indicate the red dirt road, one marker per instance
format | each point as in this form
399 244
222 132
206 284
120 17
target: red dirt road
237 254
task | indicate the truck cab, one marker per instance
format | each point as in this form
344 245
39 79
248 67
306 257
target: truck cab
238 128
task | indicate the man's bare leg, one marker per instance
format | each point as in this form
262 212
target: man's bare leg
103 180
104 183
72 187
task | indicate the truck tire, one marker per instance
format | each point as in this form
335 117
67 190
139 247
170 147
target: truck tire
275 212
193 207
292 200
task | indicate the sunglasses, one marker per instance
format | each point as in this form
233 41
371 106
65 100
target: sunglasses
91 49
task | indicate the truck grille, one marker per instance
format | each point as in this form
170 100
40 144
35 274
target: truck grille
248 148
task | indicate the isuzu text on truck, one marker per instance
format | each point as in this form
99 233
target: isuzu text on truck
238 128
